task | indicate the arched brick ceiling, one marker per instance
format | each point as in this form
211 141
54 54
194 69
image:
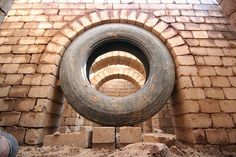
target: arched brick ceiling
118 76
118 58
117 71
117 65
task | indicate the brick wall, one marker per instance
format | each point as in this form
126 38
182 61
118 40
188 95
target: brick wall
34 36
229 8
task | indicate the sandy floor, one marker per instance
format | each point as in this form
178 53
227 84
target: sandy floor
134 150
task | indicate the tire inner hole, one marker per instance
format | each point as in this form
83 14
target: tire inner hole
118 71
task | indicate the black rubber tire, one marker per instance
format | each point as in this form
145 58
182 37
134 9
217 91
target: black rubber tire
117 111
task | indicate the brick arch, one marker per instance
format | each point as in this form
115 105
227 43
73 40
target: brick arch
118 76
97 79
168 35
113 60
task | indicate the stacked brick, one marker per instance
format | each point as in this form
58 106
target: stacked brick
34 36
229 8
71 121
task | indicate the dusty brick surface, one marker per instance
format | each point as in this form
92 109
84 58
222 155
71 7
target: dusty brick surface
130 135
80 139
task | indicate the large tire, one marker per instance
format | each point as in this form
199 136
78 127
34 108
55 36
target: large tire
117 111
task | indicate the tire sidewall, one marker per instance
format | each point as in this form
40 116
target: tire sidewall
127 110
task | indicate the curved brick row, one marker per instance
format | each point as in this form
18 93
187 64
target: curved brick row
112 72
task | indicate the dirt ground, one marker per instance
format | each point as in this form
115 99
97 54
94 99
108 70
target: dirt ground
132 150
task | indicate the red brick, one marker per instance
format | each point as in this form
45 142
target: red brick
186 34
36 32
211 60
13 79
85 22
6 32
200 34
151 22
50 58
201 81
197 19
217 136
229 61
34 79
55 48
38 120
222 43
214 93
224 71
184 60
182 19
214 52
114 16
125 6
31 25
187 106
183 82
192 26
9 68
68 138
186 71
232 81
141 19
5 49
180 50
199 120
6 58
209 106
49 33
206 71
228 106
94 17
27 40
130 135
199 60
100 138
36 49
35 58
24 104
232 136
47 69
4 90
230 93
54 18
175 41
167 34
59 25
6 104
132 16
9 118
168 19
192 42
194 93
222 120
19 91
45 25
61 39
21 59
159 28
220 81
27 68
16 25
49 80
